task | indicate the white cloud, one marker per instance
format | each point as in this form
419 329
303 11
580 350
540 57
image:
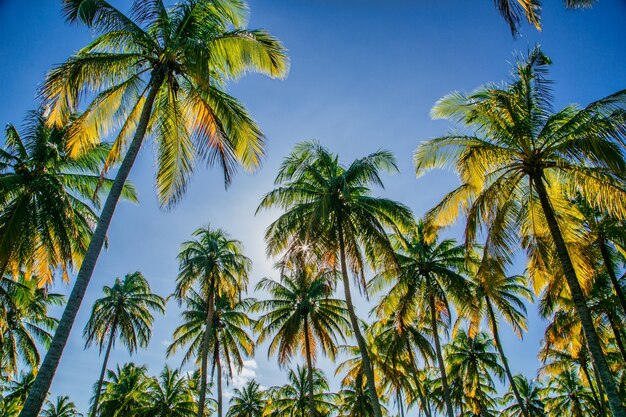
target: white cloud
247 372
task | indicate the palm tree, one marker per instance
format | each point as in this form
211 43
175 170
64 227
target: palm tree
301 315
565 395
47 198
330 207
125 394
170 395
27 323
228 340
248 401
124 313
494 291
17 389
530 393
428 277
165 69
62 407
471 360
292 399
512 11
355 400
216 265
522 164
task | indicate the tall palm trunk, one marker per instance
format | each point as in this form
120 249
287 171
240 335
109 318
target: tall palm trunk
418 384
578 297
218 365
505 362
204 359
365 358
442 367
48 368
594 394
608 265
309 366
96 401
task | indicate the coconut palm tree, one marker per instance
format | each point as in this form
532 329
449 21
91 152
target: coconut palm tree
493 291
564 394
47 197
164 71
15 392
125 394
27 323
292 399
521 164
430 275
228 340
530 393
62 407
170 395
471 360
124 313
301 315
215 264
248 401
355 400
329 206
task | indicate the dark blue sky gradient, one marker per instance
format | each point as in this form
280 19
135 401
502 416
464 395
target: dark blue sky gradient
364 75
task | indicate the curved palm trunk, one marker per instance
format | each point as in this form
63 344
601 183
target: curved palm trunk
48 368
578 297
608 265
309 365
442 367
96 401
204 359
505 362
365 358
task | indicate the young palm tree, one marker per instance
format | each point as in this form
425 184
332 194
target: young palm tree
62 407
566 395
493 291
228 340
300 315
248 401
126 392
330 206
521 164
47 199
530 393
292 399
124 313
164 70
471 360
215 264
428 277
170 395
26 323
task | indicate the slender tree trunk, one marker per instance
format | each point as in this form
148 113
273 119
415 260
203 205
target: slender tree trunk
365 357
96 401
309 365
608 265
48 368
442 367
218 363
205 354
418 384
618 335
603 407
505 362
594 394
578 297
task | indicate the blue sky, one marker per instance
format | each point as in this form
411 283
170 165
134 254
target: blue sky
364 75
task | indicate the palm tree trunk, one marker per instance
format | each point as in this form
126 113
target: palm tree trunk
617 333
204 359
218 364
580 304
96 400
603 410
418 385
596 399
608 265
442 367
365 358
505 362
48 368
309 365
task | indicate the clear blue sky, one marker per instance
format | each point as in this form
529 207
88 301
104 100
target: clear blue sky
364 75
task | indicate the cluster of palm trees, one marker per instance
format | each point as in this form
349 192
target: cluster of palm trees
551 182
